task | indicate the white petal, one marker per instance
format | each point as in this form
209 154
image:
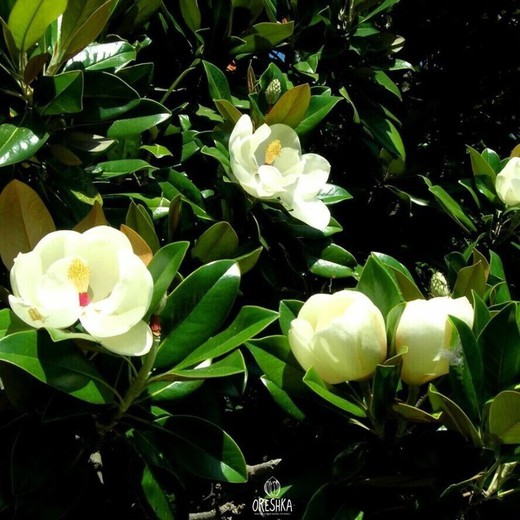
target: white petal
313 212
300 337
56 245
136 342
270 182
288 162
27 269
315 174
127 303
287 137
242 129
37 317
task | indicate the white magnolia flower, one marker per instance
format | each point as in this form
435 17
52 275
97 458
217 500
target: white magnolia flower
425 331
507 183
341 335
92 276
269 165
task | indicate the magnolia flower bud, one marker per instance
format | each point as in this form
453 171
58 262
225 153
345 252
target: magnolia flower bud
439 285
273 91
341 335
425 332
507 183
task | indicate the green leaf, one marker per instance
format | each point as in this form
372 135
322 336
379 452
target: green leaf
386 381
82 22
383 6
203 449
121 167
61 94
331 194
227 110
288 310
274 357
140 221
249 322
18 144
247 261
104 56
453 417
467 373
142 117
500 344
331 262
319 107
264 36
29 20
379 285
385 133
196 309
451 207
481 167
482 315
157 150
291 108
329 394
413 414
228 366
163 268
283 399
191 14
60 365
217 82
106 96
504 417
471 278
497 279
382 79
218 242
170 391
155 495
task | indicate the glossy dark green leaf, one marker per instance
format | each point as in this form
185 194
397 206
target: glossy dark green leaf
384 132
106 96
170 391
139 13
383 6
60 365
319 107
500 344
228 366
103 56
471 278
481 167
191 14
467 372
249 322
378 284
384 80
402 276
328 503
60 94
288 310
81 24
331 262
144 116
283 399
18 144
497 279
227 110
274 357
247 261
163 267
482 314
504 417
453 417
264 36
386 381
332 194
203 449
121 167
451 206
140 221
329 394
413 414
218 242
217 82
157 498
196 309
29 20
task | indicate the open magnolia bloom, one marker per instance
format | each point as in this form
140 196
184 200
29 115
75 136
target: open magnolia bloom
93 277
269 165
508 183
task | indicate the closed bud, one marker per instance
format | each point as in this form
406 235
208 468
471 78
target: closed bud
341 335
273 92
424 335
439 285
507 183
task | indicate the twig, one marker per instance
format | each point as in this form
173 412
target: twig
263 468
229 507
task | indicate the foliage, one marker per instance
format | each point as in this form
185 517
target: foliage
119 113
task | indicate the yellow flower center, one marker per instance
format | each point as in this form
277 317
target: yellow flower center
272 151
79 274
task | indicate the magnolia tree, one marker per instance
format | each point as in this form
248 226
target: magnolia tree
186 329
